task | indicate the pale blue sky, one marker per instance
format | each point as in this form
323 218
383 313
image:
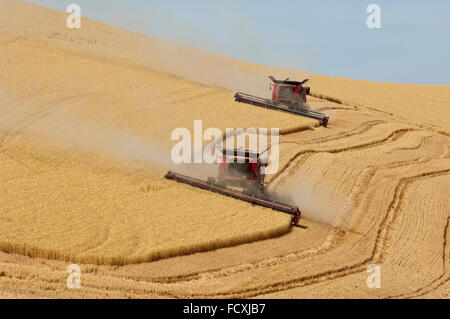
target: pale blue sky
327 37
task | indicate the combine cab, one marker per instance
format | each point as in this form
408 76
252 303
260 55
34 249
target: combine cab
287 96
240 177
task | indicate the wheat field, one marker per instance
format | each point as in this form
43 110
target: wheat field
85 122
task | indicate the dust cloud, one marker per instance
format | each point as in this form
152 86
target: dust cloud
316 200
65 129
208 69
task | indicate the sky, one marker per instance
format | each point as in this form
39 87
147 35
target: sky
326 37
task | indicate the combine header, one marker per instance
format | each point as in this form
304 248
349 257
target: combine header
240 177
287 96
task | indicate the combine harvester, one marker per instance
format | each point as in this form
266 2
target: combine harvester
240 177
287 96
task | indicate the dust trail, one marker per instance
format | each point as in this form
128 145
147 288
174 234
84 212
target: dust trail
56 124
316 200
106 140
208 68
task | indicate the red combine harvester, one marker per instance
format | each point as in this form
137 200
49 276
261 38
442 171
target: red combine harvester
287 96
240 177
